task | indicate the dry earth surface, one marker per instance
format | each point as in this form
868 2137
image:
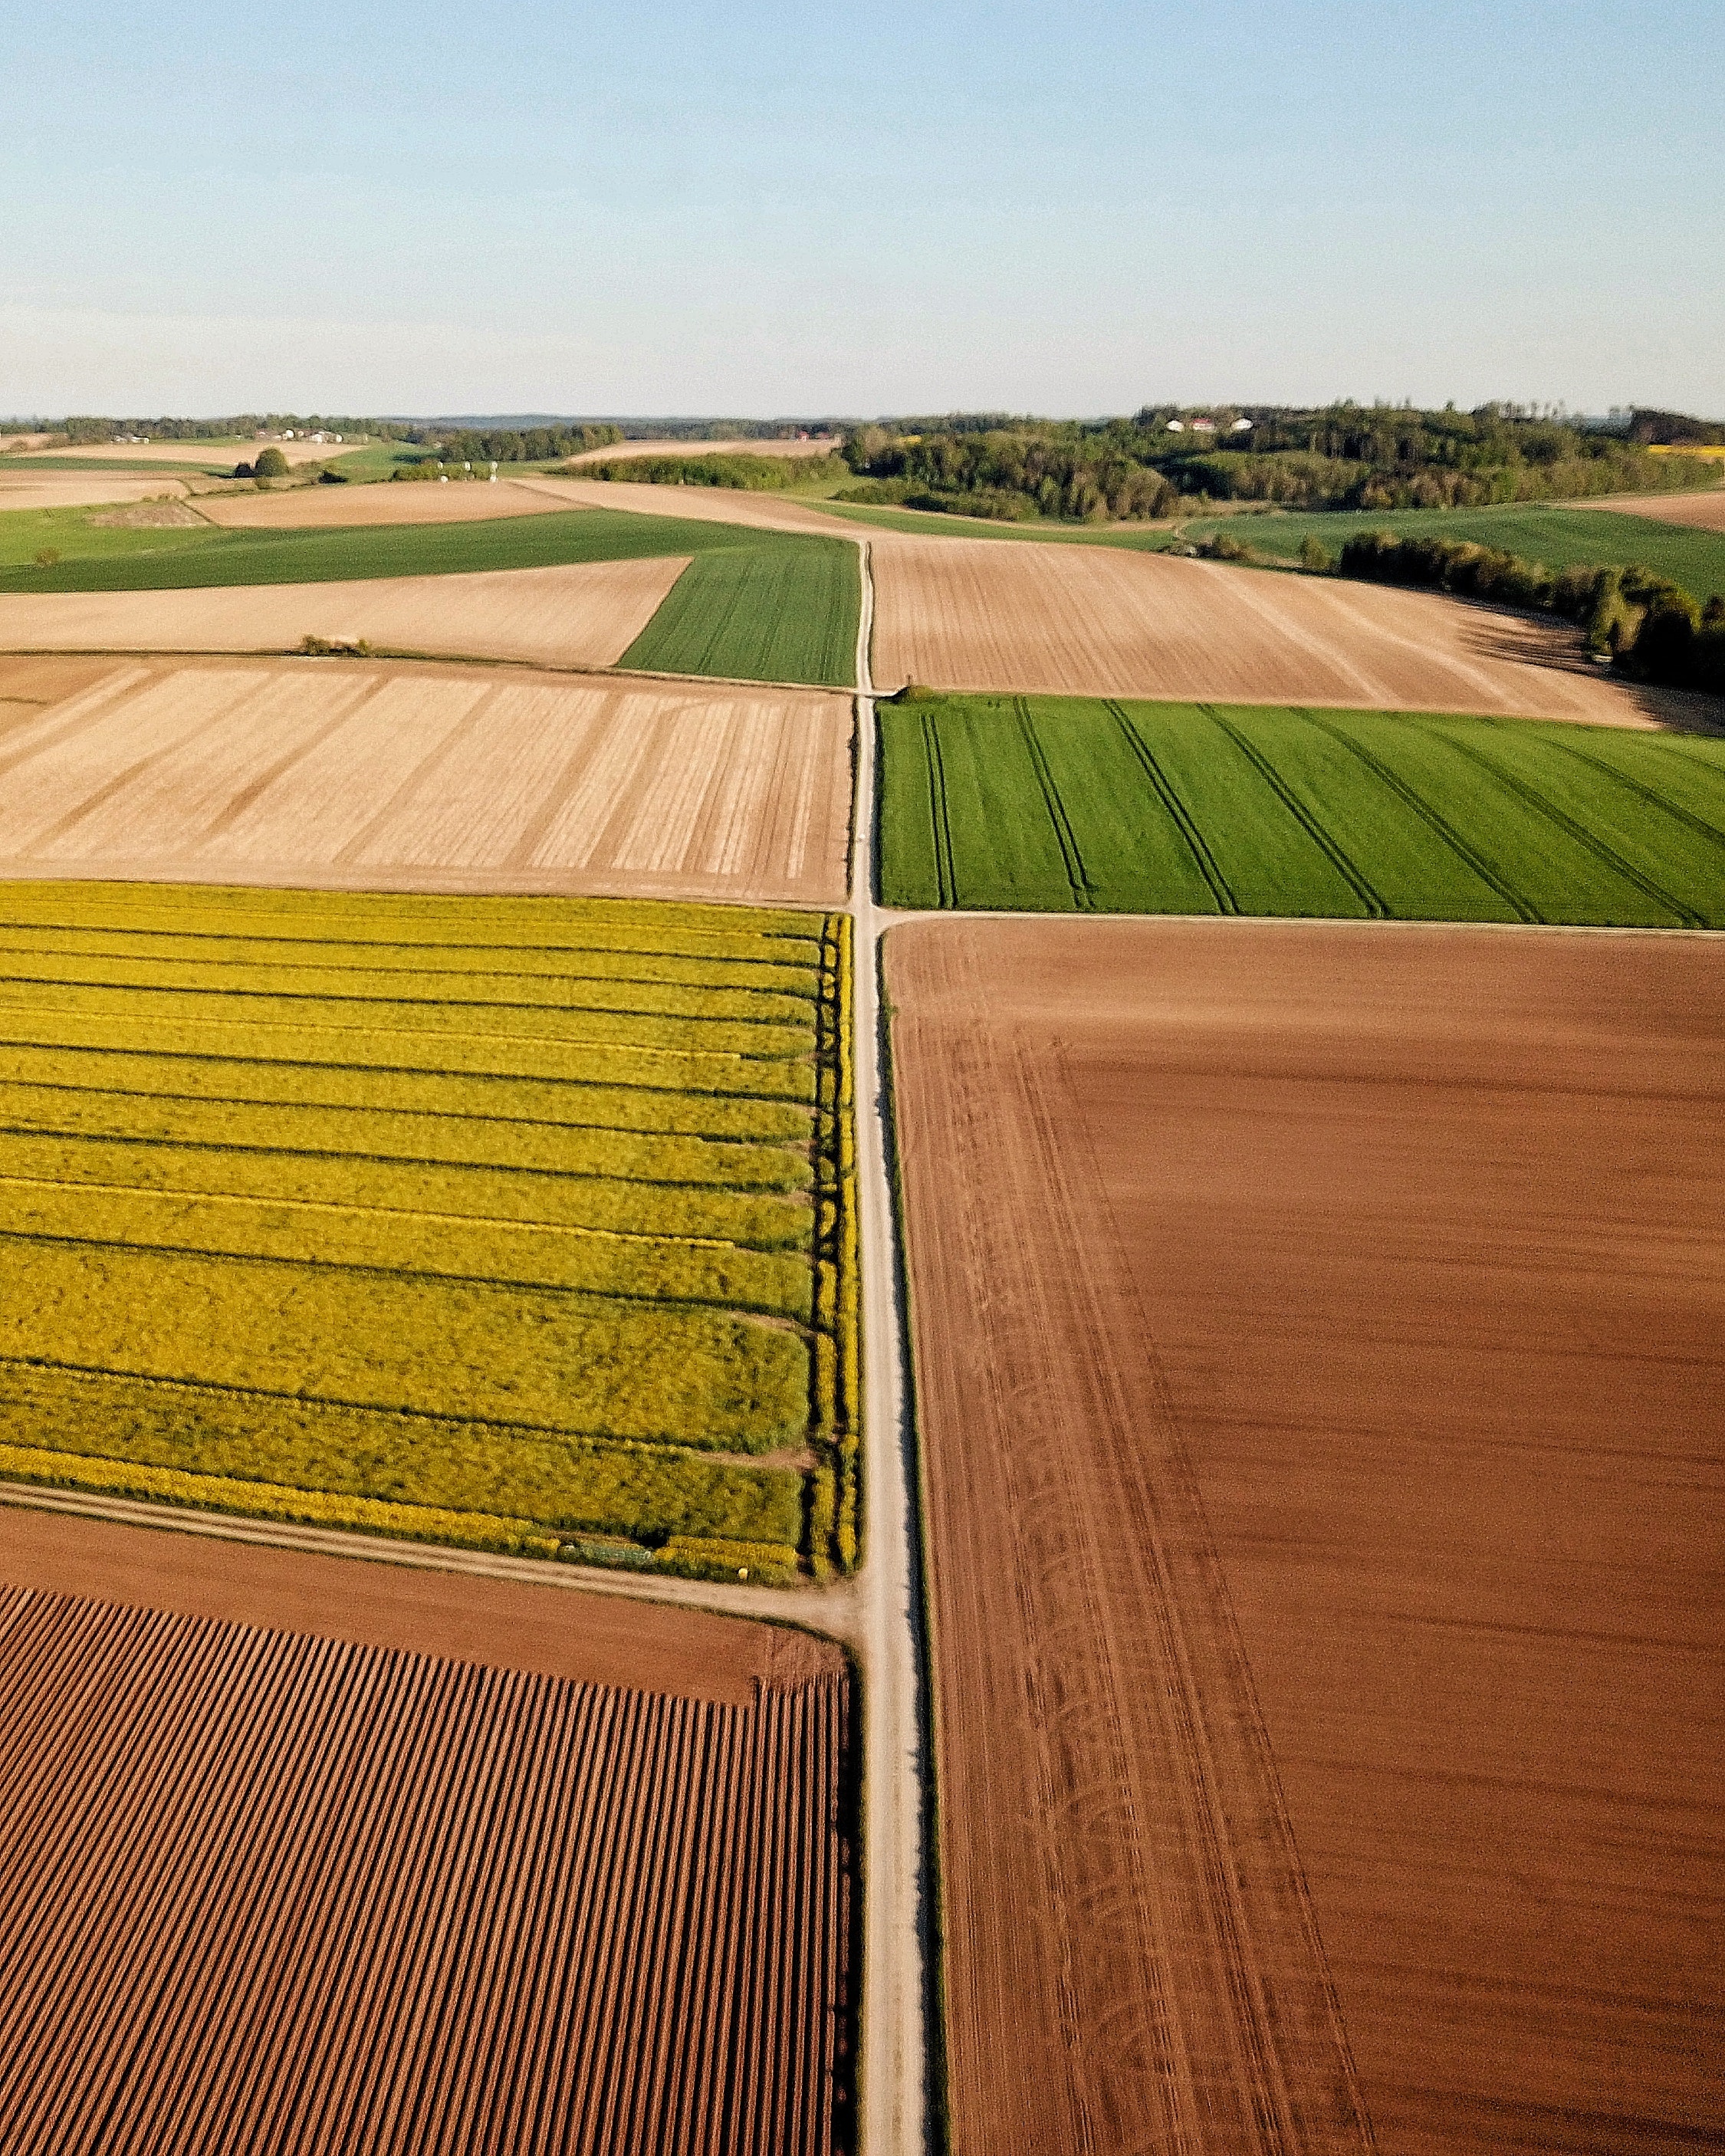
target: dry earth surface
302 1854
961 613
381 775
751 448
462 502
711 504
586 613
39 489
1705 510
1320 1343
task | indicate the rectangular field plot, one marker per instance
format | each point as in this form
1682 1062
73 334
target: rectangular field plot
1320 1339
423 777
1065 804
282 1881
528 1223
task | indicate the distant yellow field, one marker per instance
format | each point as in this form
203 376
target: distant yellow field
1716 450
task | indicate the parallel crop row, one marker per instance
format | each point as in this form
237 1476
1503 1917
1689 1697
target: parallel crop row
552 1272
1065 804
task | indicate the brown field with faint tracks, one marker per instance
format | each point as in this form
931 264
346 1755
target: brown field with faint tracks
424 501
753 447
297 452
1705 510
41 489
1319 1341
710 505
587 613
375 775
963 613
298 1859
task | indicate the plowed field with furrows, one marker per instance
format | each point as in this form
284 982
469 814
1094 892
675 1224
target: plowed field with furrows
520 1223
1317 1335
275 1895
423 778
960 613
1065 804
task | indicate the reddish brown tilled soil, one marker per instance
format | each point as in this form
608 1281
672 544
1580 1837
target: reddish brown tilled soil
273 1890
1320 1342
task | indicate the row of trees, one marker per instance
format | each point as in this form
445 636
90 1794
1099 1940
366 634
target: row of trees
83 431
1344 457
1649 626
521 445
753 472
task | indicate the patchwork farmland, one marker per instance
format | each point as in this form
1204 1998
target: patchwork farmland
280 1873
525 1224
1317 1344
747 604
427 778
1080 620
1103 806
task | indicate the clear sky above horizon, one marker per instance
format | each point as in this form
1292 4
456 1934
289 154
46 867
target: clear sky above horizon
763 208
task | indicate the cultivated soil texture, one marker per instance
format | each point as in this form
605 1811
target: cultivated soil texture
295 1859
1318 1337
374 773
585 613
959 614
753 447
45 490
461 502
1705 510
707 505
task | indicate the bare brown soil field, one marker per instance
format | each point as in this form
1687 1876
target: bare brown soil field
587 613
39 489
1319 1346
280 1889
711 504
462 502
378 775
751 448
1704 511
957 614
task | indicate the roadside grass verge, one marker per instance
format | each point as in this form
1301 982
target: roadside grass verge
1070 804
290 1204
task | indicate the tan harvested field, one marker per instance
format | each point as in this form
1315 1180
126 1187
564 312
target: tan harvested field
40 490
585 614
962 613
711 504
462 502
202 452
1320 1342
751 448
1705 510
296 1859
374 775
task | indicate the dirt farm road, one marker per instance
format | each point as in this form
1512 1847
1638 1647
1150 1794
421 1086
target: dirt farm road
877 1614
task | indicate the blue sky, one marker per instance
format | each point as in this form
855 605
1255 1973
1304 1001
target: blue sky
768 207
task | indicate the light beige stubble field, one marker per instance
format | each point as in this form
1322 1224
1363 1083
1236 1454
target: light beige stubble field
587 613
373 775
961 613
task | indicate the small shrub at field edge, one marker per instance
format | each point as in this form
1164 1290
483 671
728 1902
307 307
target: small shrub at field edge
334 647
47 556
270 464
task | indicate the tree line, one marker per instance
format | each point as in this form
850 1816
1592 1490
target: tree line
1163 461
1651 627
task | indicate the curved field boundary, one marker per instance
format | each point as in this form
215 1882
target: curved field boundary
265 1887
1169 796
1444 829
1310 824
